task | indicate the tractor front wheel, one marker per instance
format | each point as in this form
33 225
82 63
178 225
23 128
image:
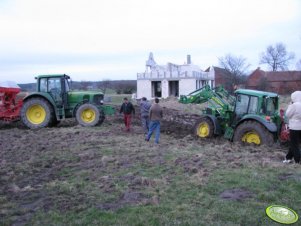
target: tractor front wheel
204 128
88 115
251 132
36 113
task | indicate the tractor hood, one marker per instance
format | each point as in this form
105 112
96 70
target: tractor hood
85 96
85 93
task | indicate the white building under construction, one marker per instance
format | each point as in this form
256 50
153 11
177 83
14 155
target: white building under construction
171 79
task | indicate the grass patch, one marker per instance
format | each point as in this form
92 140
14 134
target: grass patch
118 98
103 176
184 203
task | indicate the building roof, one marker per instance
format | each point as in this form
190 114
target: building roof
218 70
279 76
173 71
281 82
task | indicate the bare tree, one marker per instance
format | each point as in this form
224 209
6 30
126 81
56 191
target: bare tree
84 85
236 68
104 85
276 57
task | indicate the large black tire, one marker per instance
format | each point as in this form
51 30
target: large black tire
252 132
87 115
204 128
37 113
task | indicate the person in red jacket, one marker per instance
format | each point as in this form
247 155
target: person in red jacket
127 109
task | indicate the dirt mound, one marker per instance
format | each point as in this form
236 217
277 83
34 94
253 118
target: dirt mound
290 176
128 198
237 194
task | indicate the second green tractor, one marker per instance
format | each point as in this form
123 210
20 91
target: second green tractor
53 101
250 116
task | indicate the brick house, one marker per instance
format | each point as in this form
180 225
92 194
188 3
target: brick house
282 82
221 77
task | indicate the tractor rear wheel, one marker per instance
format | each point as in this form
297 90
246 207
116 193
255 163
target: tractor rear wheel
252 132
204 128
88 115
36 113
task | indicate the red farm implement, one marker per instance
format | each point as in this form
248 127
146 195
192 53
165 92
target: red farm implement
9 106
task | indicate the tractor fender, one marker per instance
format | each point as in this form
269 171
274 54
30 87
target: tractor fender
46 97
270 126
76 107
217 127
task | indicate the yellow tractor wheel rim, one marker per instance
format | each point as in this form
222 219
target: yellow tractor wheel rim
203 129
36 114
251 137
88 115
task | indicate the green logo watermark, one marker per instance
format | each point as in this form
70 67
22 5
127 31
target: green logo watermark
282 214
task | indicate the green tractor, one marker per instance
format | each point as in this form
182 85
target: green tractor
250 116
54 101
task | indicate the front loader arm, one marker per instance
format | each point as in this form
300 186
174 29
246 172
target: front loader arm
217 98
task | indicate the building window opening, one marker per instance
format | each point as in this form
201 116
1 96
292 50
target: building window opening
173 88
156 89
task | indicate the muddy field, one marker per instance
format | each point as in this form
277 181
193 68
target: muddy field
72 168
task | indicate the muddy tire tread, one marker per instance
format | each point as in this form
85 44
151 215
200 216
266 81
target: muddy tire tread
81 108
48 108
266 137
211 127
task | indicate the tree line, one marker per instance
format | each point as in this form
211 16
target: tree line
119 86
276 57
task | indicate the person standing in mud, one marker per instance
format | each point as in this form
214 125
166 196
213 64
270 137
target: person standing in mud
293 114
155 116
127 109
144 111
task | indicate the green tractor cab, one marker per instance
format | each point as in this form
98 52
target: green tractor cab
256 117
54 101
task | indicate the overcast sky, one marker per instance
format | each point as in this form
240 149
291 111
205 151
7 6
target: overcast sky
111 39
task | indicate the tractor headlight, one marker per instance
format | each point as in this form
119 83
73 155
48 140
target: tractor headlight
101 101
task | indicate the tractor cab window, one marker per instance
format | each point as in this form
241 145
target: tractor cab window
55 88
67 88
253 105
54 85
43 85
270 105
242 102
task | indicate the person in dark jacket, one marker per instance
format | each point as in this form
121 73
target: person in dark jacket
127 109
144 111
155 116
